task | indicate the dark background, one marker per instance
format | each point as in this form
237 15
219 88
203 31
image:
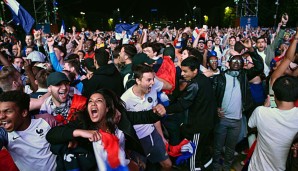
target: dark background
97 12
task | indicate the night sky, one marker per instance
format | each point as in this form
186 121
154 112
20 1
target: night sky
169 8
99 11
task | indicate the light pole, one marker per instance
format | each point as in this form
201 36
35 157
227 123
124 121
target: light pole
3 11
236 2
185 19
83 15
119 15
275 16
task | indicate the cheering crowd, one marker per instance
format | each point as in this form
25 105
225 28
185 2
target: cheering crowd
156 99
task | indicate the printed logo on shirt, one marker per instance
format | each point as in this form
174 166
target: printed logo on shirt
39 131
14 138
150 100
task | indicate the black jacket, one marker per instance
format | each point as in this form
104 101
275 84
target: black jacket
219 82
60 136
199 100
106 76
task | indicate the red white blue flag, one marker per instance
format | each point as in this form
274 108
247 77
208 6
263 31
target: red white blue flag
20 15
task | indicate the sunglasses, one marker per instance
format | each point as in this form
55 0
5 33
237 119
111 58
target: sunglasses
201 42
236 60
213 61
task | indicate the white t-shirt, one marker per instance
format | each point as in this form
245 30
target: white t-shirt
266 68
29 148
276 130
136 103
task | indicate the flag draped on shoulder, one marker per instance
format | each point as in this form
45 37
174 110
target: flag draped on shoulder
167 71
20 15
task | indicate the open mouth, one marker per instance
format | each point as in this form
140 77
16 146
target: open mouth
62 95
93 111
4 124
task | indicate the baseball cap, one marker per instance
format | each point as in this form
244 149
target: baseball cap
55 78
113 41
211 53
36 56
142 58
201 39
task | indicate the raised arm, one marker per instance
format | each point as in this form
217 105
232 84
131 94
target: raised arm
290 56
257 60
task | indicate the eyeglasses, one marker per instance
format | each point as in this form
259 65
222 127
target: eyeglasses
247 61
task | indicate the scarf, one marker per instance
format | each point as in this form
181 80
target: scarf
60 113
234 74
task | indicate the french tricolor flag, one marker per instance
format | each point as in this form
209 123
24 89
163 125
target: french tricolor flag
20 15
109 152
62 30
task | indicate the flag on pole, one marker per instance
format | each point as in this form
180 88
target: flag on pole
62 30
20 15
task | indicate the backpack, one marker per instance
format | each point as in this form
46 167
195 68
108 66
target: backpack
130 81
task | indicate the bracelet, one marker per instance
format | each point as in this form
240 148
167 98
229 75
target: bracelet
295 38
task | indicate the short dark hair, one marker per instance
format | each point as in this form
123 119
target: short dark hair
157 47
140 69
130 50
81 52
15 57
116 51
286 88
261 37
21 99
62 49
191 62
92 42
73 56
41 78
101 56
196 53
74 63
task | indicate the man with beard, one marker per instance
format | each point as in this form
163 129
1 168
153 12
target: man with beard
233 99
142 97
10 79
59 102
267 52
212 63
